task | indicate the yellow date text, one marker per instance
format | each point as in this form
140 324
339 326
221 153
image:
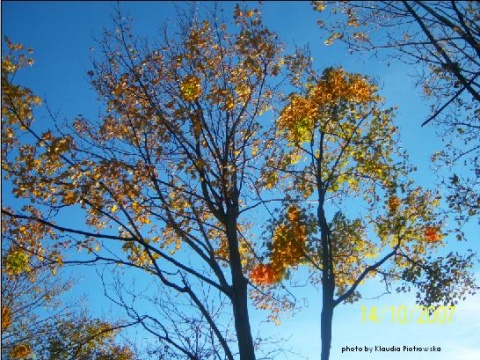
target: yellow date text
402 314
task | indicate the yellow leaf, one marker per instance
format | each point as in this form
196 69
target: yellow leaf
144 220
69 198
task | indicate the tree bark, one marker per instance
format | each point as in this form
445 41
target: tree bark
328 281
239 292
326 320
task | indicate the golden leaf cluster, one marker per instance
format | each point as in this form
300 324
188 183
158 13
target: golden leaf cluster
31 245
6 317
393 203
191 88
288 249
18 102
304 114
20 351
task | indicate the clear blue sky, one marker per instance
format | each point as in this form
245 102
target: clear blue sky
61 34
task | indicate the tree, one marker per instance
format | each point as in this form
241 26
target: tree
84 338
24 295
165 176
342 153
443 37
36 323
163 183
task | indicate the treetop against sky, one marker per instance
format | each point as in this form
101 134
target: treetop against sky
131 144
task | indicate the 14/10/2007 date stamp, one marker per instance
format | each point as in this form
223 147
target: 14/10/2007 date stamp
404 315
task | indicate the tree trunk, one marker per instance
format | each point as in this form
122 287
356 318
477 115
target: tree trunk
328 282
326 320
240 295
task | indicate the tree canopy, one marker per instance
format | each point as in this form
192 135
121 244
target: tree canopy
342 150
220 164
37 321
441 40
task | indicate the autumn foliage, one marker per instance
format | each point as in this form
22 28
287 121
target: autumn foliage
162 174
287 250
20 351
432 234
198 134
264 274
336 86
441 39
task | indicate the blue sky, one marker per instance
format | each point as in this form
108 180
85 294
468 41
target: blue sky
61 34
